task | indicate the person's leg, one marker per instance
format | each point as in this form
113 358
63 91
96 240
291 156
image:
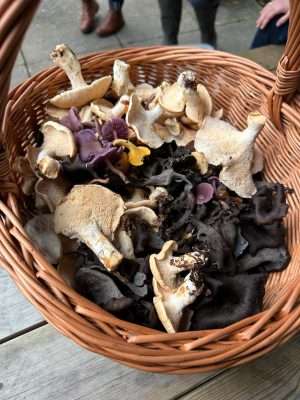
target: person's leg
206 12
113 21
271 34
170 15
88 11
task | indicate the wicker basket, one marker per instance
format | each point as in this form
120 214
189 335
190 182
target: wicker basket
238 86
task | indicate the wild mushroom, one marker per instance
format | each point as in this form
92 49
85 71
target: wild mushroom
170 304
142 121
106 110
224 145
201 162
204 192
91 214
50 192
136 154
147 94
58 143
40 229
81 93
101 289
55 112
121 83
186 96
139 198
166 268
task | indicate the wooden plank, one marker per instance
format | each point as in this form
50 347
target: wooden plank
16 313
273 377
44 365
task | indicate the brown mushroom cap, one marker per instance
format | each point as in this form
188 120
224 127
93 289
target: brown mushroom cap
91 214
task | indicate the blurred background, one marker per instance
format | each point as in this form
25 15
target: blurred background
141 23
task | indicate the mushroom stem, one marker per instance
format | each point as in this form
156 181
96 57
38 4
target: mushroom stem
63 57
92 236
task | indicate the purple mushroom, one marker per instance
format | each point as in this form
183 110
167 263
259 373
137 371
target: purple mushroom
116 128
204 193
72 120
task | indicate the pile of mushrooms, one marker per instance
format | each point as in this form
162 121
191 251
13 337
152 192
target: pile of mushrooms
149 203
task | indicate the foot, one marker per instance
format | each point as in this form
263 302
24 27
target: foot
88 12
112 23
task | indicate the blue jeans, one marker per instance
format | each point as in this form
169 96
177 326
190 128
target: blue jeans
271 34
116 4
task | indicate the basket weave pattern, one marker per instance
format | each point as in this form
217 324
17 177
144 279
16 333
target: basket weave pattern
238 86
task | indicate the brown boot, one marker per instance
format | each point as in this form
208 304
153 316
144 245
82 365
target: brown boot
88 12
111 24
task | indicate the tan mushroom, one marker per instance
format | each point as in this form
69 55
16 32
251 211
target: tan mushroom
106 110
222 144
40 229
50 192
201 161
166 268
58 142
170 304
55 112
139 198
81 93
85 114
143 213
91 214
121 83
142 121
186 95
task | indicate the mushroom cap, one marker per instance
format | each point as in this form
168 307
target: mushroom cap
142 121
51 191
172 99
83 95
160 265
58 140
40 229
206 100
55 112
87 203
48 166
145 214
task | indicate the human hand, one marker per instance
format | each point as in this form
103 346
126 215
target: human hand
272 9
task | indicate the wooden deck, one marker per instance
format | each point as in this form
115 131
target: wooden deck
38 363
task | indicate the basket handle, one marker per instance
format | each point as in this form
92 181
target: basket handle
288 69
15 17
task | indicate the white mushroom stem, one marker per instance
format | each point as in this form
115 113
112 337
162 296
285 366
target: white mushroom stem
170 304
63 57
91 235
121 81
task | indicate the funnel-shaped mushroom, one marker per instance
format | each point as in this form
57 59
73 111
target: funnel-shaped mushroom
166 268
81 93
222 144
121 81
58 143
91 214
136 154
170 304
142 121
186 96
40 229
